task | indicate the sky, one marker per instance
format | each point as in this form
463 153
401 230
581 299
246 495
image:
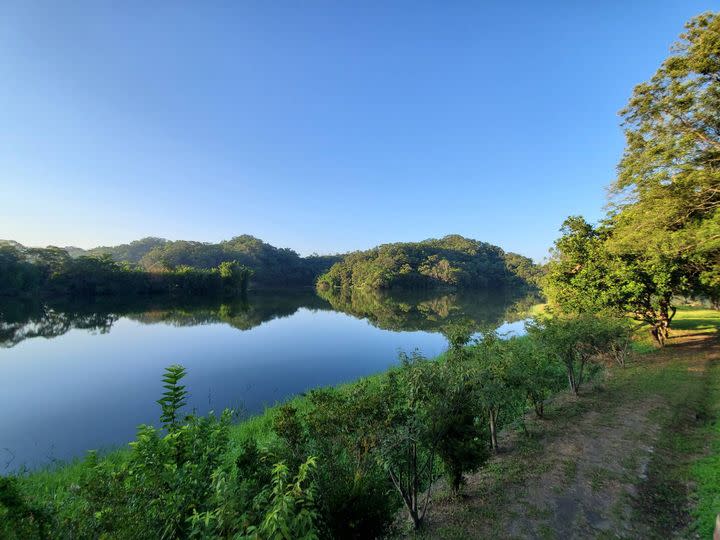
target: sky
323 126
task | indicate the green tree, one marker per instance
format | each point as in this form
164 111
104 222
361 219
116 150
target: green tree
667 193
531 369
586 276
573 340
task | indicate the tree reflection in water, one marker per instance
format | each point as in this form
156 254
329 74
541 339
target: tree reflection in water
429 311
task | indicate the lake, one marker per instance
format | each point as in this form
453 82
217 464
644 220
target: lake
78 376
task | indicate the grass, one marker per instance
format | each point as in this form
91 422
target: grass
705 472
682 486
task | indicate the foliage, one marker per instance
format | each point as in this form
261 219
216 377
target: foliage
576 341
667 193
290 514
450 262
52 272
354 495
462 447
531 369
129 253
272 266
179 483
662 236
494 391
585 276
409 432
19 518
174 397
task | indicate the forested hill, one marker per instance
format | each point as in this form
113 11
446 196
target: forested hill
450 262
272 266
132 252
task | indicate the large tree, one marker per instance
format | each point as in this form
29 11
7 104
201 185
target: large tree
667 192
585 276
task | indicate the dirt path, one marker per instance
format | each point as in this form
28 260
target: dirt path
598 466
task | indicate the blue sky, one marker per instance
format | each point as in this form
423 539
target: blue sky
320 126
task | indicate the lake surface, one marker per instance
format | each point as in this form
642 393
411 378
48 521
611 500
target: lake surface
80 376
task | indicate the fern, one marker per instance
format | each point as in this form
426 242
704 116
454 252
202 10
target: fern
174 397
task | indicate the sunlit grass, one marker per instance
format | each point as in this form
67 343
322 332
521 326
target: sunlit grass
693 318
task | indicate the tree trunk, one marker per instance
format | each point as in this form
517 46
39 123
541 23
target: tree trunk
571 378
666 314
493 430
657 335
579 380
538 405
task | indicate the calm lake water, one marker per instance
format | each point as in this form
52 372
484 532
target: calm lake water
75 377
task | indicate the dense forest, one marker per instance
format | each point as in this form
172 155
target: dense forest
53 272
131 253
154 265
451 262
272 266
151 265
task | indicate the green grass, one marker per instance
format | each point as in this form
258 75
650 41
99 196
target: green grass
696 319
705 472
689 449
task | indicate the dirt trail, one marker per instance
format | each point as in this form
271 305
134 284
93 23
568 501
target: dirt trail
594 467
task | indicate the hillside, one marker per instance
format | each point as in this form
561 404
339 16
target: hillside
132 252
452 262
272 266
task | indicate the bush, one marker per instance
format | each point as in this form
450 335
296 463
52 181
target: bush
578 340
20 518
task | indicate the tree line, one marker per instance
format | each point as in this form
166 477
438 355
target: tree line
452 262
272 266
52 271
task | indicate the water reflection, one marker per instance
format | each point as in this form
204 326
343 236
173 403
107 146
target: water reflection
430 311
98 377
399 311
25 319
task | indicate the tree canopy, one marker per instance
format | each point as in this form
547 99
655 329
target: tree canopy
272 266
451 262
666 198
661 237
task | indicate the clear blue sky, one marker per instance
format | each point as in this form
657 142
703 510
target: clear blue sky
320 126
